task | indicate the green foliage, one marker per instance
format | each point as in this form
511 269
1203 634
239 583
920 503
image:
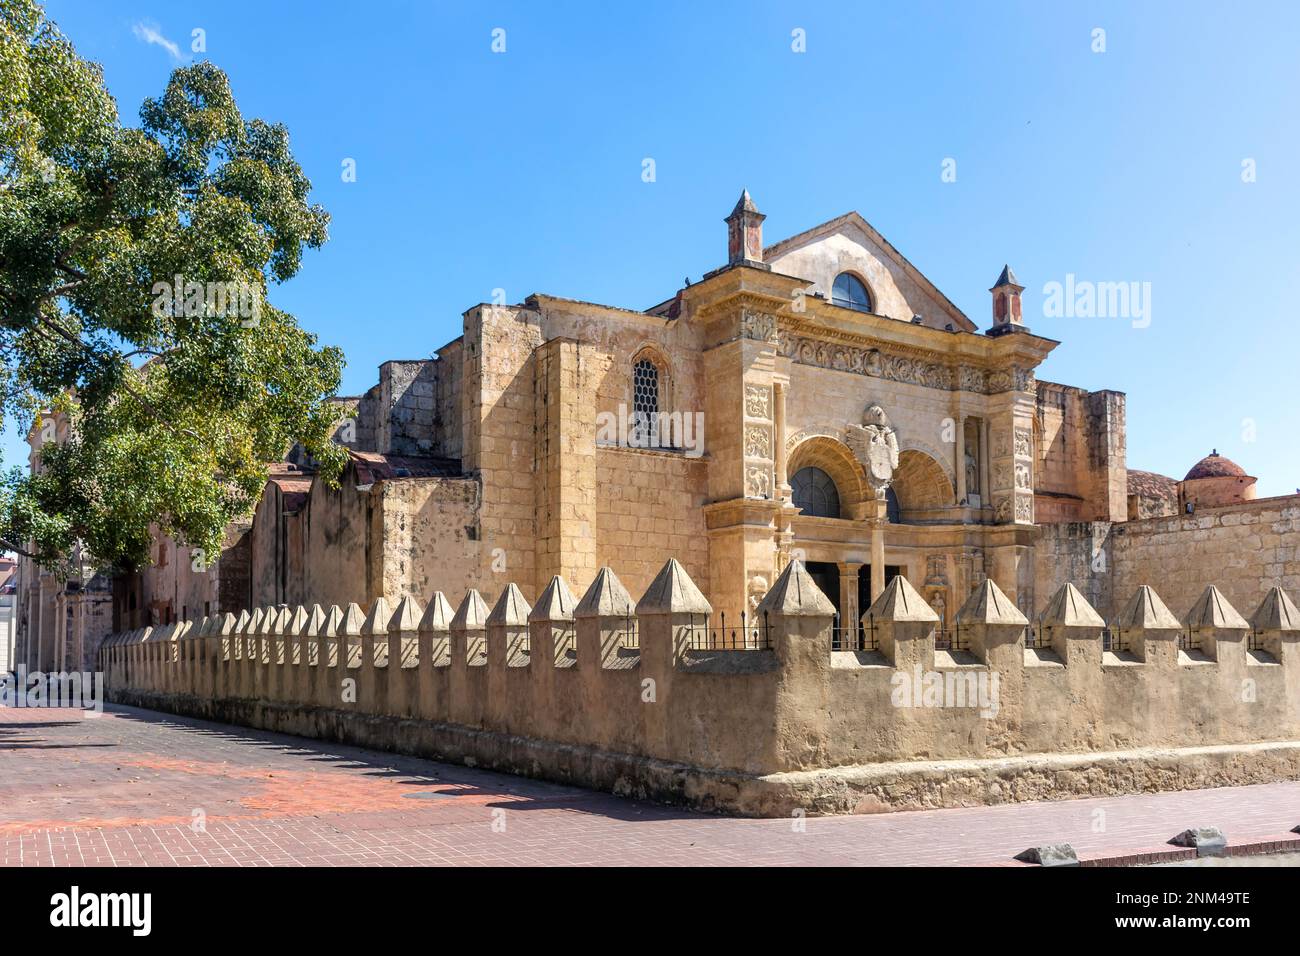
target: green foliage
164 417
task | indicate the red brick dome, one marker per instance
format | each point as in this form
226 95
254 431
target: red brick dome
1215 465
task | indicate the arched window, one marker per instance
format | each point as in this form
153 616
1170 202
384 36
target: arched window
893 513
645 387
814 491
851 292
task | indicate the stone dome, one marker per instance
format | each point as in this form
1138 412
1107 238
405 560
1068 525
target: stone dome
1215 465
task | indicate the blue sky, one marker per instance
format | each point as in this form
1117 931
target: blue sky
522 170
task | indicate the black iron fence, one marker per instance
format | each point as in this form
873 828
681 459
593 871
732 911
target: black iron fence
855 637
951 639
749 633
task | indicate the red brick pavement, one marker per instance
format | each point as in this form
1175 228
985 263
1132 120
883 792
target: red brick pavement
138 788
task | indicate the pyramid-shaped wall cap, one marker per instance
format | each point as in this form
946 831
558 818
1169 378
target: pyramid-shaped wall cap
406 616
605 598
1213 610
377 618
438 615
1276 612
796 594
249 623
270 616
228 624
201 626
315 621
472 613
511 609
901 603
556 603
284 619
988 605
301 618
1069 608
673 592
1145 610
353 621
333 621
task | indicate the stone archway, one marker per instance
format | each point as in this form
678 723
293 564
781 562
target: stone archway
921 484
834 458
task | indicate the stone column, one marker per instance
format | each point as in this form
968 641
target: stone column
959 458
986 476
783 490
876 513
849 611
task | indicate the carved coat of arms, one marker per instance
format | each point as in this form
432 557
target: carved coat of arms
875 445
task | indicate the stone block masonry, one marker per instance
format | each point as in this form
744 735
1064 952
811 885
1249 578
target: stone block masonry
652 698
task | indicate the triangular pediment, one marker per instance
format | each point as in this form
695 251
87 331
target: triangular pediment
849 243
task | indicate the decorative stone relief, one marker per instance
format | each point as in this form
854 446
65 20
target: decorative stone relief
875 445
758 482
758 441
1024 440
1024 508
758 401
1001 475
1022 476
1000 442
936 570
759 326
757 591
1002 509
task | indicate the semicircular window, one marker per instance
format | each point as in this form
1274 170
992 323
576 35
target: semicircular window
851 292
814 491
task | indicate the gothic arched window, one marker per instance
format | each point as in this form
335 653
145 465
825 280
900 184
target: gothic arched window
814 491
645 387
851 292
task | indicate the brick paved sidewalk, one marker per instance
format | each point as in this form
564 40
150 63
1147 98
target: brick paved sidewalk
138 788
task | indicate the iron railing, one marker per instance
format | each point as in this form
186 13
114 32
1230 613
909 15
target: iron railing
750 634
861 637
950 639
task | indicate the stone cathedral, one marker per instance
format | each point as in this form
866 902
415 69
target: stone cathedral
816 398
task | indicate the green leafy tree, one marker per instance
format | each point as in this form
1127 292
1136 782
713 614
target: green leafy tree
134 264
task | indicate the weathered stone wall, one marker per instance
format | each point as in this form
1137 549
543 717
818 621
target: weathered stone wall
647 701
649 508
1079 455
1245 549
426 532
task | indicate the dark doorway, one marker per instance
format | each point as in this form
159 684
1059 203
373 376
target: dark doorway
827 577
864 585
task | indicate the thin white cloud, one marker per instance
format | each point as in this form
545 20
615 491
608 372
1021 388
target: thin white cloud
148 32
